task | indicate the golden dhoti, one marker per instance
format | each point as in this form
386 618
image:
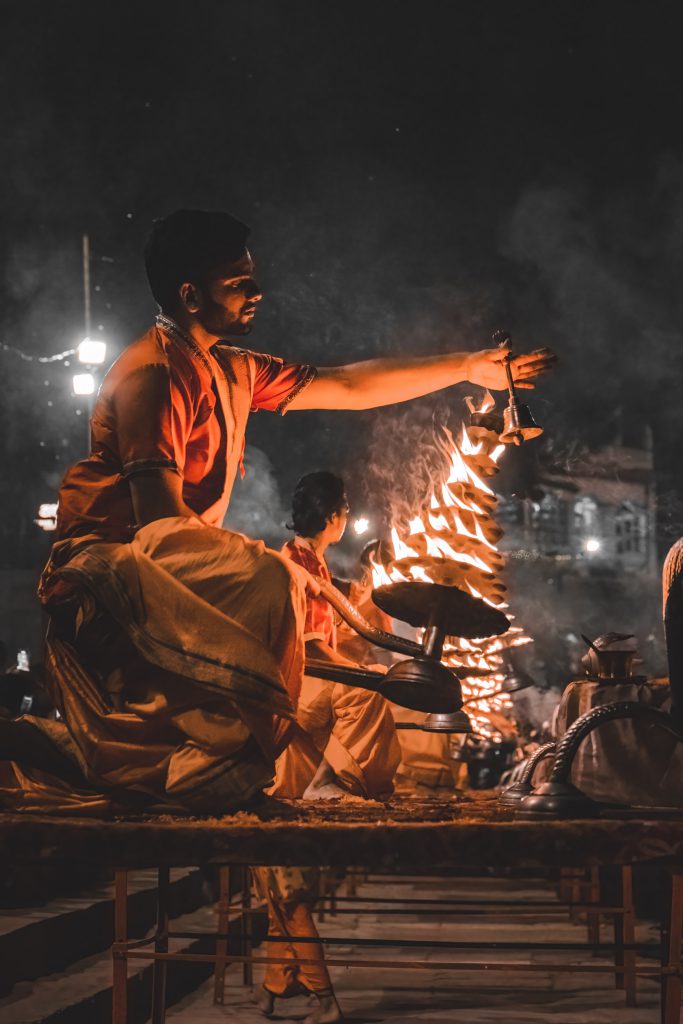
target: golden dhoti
352 728
185 694
426 766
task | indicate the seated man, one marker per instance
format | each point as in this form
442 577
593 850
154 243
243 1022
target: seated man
347 741
176 647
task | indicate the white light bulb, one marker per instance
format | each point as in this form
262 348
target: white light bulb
84 384
92 352
361 526
47 516
593 545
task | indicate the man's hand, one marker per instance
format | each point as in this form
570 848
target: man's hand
309 582
487 368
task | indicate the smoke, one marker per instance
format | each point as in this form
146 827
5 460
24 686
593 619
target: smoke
556 604
256 506
406 457
597 270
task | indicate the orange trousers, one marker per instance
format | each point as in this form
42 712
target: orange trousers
352 728
426 762
294 921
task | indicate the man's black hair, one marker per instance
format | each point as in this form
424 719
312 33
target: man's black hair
316 497
188 244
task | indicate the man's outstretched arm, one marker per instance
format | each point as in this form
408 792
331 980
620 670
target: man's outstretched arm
378 382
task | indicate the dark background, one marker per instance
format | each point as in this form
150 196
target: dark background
415 175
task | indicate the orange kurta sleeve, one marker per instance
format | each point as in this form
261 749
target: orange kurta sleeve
276 382
154 413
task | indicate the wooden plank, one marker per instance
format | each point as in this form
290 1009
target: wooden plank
379 837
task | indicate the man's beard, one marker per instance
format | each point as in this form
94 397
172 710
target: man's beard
236 329
215 321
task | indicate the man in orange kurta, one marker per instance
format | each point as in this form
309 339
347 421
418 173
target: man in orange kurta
176 647
167 404
216 619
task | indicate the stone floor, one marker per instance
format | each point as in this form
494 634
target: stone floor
383 996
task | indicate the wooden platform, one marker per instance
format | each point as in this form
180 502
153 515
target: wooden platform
469 835
406 836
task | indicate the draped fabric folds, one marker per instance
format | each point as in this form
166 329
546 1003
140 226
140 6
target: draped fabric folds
180 681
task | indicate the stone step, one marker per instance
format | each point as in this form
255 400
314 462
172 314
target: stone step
81 993
40 941
435 995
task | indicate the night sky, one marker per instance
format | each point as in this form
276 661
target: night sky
416 176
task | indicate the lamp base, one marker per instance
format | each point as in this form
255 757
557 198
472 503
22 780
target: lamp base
423 684
453 721
514 794
557 800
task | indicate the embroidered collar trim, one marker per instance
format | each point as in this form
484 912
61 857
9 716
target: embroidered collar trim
178 334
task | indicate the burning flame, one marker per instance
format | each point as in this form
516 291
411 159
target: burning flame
452 540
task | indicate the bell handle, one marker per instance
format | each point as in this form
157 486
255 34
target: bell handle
353 618
511 383
503 340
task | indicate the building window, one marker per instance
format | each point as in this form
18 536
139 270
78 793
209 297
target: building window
629 528
585 515
551 521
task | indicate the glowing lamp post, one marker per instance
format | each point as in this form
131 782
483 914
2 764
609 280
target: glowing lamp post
593 545
83 384
47 516
92 352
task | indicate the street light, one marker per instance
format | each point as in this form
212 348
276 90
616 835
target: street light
593 545
84 384
92 352
47 516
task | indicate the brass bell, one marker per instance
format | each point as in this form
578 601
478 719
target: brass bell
518 423
515 680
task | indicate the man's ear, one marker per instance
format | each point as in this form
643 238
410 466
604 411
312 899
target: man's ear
189 296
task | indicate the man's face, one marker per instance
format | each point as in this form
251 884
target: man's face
338 521
226 301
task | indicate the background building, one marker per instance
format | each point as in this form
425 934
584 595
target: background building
600 514
583 558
